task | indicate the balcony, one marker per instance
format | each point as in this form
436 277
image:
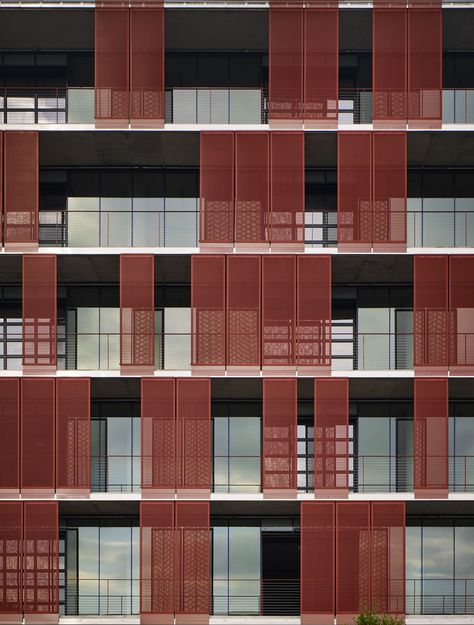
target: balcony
440 596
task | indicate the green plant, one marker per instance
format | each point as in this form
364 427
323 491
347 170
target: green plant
369 618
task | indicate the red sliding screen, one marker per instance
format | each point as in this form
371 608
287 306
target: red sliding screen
313 332
157 548
10 438
158 437
73 444
11 535
137 313
243 313
20 190
431 438
280 423
217 191
430 284
331 438
461 306
317 562
39 313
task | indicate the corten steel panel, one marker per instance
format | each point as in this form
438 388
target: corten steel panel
193 437
10 437
252 190
279 314
147 69
39 313
137 313
216 214
158 437
20 190
243 313
11 547
425 67
352 559
37 437
317 562
388 558
389 151
313 331
321 67
431 317
73 441
431 438
279 449
354 192
461 307
112 96
286 66
331 438
389 67
157 562
208 313
287 191
192 562
40 562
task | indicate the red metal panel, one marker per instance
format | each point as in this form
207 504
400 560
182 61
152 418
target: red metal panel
243 313
287 191
20 189
192 565
193 437
431 438
331 437
137 313
430 322
390 191
317 562
279 451
158 437
321 67
461 287
425 67
352 559
37 437
389 65
388 557
112 107
10 438
147 67
11 535
157 562
208 313
217 191
278 313
40 562
313 333
252 190
73 444
39 313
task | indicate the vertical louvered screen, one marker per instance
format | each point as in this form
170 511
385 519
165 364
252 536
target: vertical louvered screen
9 438
11 535
39 313
243 313
461 314
279 314
20 190
431 438
317 562
279 451
313 332
157 589
158 437
216 213
430 285
331 438
137 313
193 437
73 444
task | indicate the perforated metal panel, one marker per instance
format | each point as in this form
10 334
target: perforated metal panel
10 437
461 314
11 547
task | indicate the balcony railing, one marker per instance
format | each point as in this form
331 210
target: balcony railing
115 473
236 474
104 596
440 596
259 597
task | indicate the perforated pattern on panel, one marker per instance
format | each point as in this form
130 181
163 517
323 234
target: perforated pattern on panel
10 437
461 314
11 534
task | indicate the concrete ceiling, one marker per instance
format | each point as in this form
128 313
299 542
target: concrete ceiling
437 149
380 269
445 508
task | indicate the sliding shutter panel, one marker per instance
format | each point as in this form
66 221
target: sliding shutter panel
11 548
10 438
461 285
